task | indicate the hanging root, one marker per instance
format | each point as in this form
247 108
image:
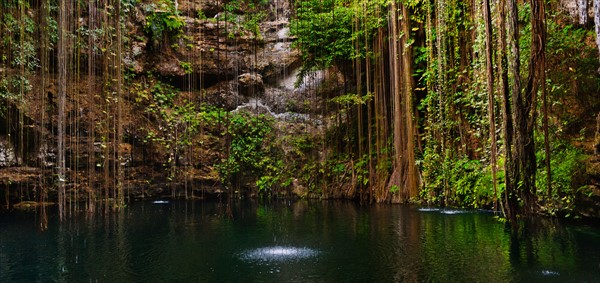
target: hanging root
597 136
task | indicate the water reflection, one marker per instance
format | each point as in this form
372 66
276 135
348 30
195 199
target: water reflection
292 242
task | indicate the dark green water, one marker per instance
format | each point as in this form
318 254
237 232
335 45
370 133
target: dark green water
325 241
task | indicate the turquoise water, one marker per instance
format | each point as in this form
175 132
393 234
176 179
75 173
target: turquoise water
318 241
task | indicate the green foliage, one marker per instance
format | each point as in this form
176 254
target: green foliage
312 176
300 160
52 28
274 177
325 33
472 184
175 121
459 182
303 143
572 55
177 126
566 163
352 99
252 21
361 168
200 15
187 67
244 17
12 88
163 94
212 116
251 153
18 53
337 171
161 18
451 89
567 167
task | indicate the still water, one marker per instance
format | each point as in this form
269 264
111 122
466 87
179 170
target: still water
320 241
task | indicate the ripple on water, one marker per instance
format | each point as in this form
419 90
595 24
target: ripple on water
428 209
278 254
160 202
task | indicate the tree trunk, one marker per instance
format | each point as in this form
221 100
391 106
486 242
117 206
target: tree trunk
491 100
517 153
404 176
507 124
535 83
408 85
523 166
395 91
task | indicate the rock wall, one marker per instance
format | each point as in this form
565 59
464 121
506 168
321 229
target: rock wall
216 59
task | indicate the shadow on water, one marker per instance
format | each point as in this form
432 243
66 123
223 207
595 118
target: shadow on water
287 241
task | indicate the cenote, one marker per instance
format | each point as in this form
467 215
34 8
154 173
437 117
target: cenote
292 241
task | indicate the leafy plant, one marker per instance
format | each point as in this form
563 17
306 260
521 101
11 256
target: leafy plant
245 17
464 182
163 18
250 153
567 166
200 15
325 32
163 94
187 67
252 22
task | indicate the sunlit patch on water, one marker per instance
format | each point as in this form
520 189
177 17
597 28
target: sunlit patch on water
278 253
453 211
550 273
160 201
428 209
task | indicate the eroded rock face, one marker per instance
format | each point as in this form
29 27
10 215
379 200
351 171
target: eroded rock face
209 8
251 84
218 49
571 7
212 62
579 10
224 95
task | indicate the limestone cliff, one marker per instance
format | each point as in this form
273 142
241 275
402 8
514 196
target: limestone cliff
182 62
